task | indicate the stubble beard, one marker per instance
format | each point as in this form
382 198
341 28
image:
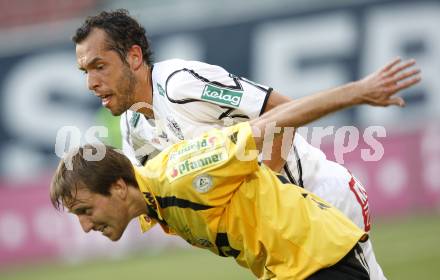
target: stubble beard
126 86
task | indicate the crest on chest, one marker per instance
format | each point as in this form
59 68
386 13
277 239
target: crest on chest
175 128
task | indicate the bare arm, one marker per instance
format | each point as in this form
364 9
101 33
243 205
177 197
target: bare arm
276 162
377 89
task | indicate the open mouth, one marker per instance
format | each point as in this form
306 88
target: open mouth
101 229
105 99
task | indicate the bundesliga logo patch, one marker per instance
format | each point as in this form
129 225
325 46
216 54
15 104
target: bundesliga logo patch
175 128
202 183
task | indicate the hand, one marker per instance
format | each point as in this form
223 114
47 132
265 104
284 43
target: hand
379 88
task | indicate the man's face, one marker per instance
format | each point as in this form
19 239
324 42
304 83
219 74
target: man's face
107 214
108 76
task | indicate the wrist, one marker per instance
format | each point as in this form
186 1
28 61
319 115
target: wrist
353 93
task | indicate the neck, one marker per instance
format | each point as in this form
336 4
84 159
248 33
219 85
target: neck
137 205
144 92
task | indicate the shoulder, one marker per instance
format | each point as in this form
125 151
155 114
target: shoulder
183 81
175 64
171 67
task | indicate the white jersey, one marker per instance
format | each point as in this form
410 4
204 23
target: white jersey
191 97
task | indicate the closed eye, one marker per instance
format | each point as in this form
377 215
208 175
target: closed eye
82 211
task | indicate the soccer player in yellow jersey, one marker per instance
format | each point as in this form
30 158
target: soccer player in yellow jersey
213 192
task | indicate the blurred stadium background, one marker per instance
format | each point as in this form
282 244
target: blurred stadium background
297 47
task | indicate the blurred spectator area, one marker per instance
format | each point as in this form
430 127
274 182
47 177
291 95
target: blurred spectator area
26 12
297 47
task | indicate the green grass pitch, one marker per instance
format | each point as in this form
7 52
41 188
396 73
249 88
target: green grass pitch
407 248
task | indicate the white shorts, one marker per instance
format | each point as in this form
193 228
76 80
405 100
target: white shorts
335 184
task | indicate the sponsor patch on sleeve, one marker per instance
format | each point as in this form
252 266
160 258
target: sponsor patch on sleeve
222 96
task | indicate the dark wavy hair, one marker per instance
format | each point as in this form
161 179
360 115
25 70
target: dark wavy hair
122 30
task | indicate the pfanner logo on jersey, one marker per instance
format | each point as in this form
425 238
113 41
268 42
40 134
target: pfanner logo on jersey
222 95
193 164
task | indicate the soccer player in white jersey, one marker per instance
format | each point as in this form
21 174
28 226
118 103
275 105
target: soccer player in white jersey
165 102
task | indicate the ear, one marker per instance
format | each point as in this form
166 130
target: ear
119 189
134 57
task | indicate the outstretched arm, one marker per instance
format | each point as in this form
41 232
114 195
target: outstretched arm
276 161
377 89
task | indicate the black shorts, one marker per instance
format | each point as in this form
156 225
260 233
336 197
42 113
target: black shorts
351 267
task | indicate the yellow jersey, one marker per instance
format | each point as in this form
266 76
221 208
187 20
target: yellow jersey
213 192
